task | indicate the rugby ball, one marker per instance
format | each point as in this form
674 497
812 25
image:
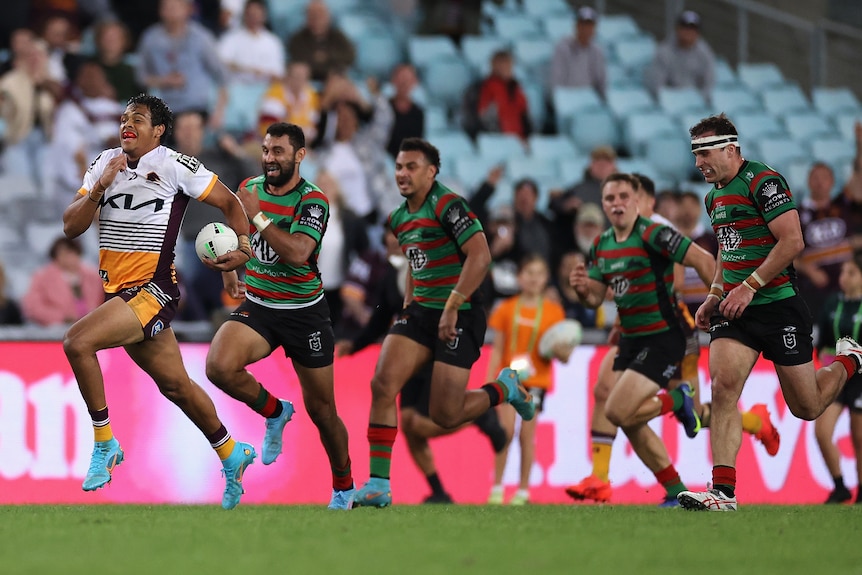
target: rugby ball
567 331
214 240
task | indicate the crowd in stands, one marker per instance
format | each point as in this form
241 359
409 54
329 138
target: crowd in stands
516 104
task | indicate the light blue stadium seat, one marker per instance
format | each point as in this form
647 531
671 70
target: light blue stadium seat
286 16
640 127
735 100
635 53
533 52
625 101
809 126
536 104
243 103
619 77
754 126
833 151
676 101
568 102
377 54
759 76
538 168
558 26
453 144
537 8
436 121
422 50
638 165
613 28
780 153
472 170
671 157
359 24
514 26
835 101
724 74
551 146
594 128
687 120
572 170
796 175
499 147
477 50
846 124
446 80
785 100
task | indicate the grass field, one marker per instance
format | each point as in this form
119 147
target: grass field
414 540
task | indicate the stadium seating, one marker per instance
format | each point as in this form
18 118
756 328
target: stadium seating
755 126
611 28
477 51
552 147
735 100
808 126
515 26
422 50
500 147
556 27
785 100
626 101
676 101
835 101
635 53
759 76
243 102
595 128
640 127
377 54
670 157
446 80
569 102
541 8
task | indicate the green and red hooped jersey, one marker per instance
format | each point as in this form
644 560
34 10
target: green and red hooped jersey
740 213
269 281
639 269
431 239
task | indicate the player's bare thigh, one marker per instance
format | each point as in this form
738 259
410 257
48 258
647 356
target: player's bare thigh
235 346
730 363
400 359
160 358
448 383
112 324
629 392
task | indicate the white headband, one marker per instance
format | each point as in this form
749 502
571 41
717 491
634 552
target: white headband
713 142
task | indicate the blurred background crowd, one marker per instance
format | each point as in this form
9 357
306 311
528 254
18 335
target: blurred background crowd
531 103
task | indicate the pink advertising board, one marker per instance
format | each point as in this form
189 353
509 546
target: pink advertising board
46 438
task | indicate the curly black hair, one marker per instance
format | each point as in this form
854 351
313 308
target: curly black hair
160 113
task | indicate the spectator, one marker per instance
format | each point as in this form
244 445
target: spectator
687 222
355 152
10 311
502 103
533 231
578 60
346 238
20 41
292 100
321 45
453 18
502 280
409 120
112 46
685 60
203 299
179 59
826 245
564 205
479 201
85 124
63 60
27 100
589 224
251 53
565 293
667 204
849 202
64 290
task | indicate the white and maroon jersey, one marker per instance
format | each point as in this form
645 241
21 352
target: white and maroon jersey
141 214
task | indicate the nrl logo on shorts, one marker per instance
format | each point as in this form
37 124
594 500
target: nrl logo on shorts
790 336
315 212
314 343
416 257
453 344
157 327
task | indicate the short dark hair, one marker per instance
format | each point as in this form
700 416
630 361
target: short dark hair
62 241
294 134
432 154
645 183
720 125
531 257
160 113
530 183
621 177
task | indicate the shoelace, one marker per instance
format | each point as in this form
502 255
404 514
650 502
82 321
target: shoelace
98 460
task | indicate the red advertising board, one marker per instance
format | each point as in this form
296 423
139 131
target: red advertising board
46 438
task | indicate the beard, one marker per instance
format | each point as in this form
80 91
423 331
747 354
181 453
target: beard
285 174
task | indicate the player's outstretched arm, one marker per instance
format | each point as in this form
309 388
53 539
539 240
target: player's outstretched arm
236 217
702 261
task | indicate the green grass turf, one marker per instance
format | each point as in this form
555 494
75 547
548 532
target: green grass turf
414 540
